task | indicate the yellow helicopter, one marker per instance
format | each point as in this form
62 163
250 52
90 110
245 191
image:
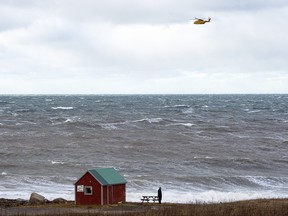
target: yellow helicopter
201 21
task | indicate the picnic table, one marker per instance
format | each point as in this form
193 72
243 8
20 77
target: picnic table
149 198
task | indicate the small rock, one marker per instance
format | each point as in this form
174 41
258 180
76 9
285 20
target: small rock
59 200
21 201
37 199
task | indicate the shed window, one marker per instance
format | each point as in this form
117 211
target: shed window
88 190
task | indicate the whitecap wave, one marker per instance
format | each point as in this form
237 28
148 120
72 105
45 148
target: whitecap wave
177 106
254 111
182 124
150 120
68 120
109 126
188 111
57 162
62 108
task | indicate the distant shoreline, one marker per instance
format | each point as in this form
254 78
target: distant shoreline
259 207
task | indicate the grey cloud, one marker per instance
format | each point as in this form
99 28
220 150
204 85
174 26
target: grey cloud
136 11
139 41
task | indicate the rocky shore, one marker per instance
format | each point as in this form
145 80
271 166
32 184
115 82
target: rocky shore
35 199
39 205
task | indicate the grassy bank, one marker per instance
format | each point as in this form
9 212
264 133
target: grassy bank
271 207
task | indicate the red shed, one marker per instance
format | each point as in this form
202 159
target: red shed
101 186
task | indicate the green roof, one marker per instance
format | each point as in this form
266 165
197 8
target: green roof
107 176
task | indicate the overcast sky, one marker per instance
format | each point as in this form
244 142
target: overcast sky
147 47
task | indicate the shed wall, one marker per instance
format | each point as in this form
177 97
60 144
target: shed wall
117 193
101 195
95 198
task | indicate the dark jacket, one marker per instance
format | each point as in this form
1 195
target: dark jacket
159 194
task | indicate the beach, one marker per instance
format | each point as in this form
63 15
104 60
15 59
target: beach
259 207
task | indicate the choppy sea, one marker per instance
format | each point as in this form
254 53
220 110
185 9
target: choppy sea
198 148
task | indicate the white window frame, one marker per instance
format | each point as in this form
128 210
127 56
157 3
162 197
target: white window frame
85 190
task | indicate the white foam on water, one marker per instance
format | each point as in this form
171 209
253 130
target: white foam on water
212 196
23 188
62 108
150 120
50 192
109 126
188 111
57 162
68 120
182 124
13 187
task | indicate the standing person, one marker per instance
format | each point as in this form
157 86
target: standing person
159 195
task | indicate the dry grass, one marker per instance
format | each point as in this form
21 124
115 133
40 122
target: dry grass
271 207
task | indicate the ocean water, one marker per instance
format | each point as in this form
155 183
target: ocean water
198 148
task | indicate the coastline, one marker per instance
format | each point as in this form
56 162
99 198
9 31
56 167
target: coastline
259 207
